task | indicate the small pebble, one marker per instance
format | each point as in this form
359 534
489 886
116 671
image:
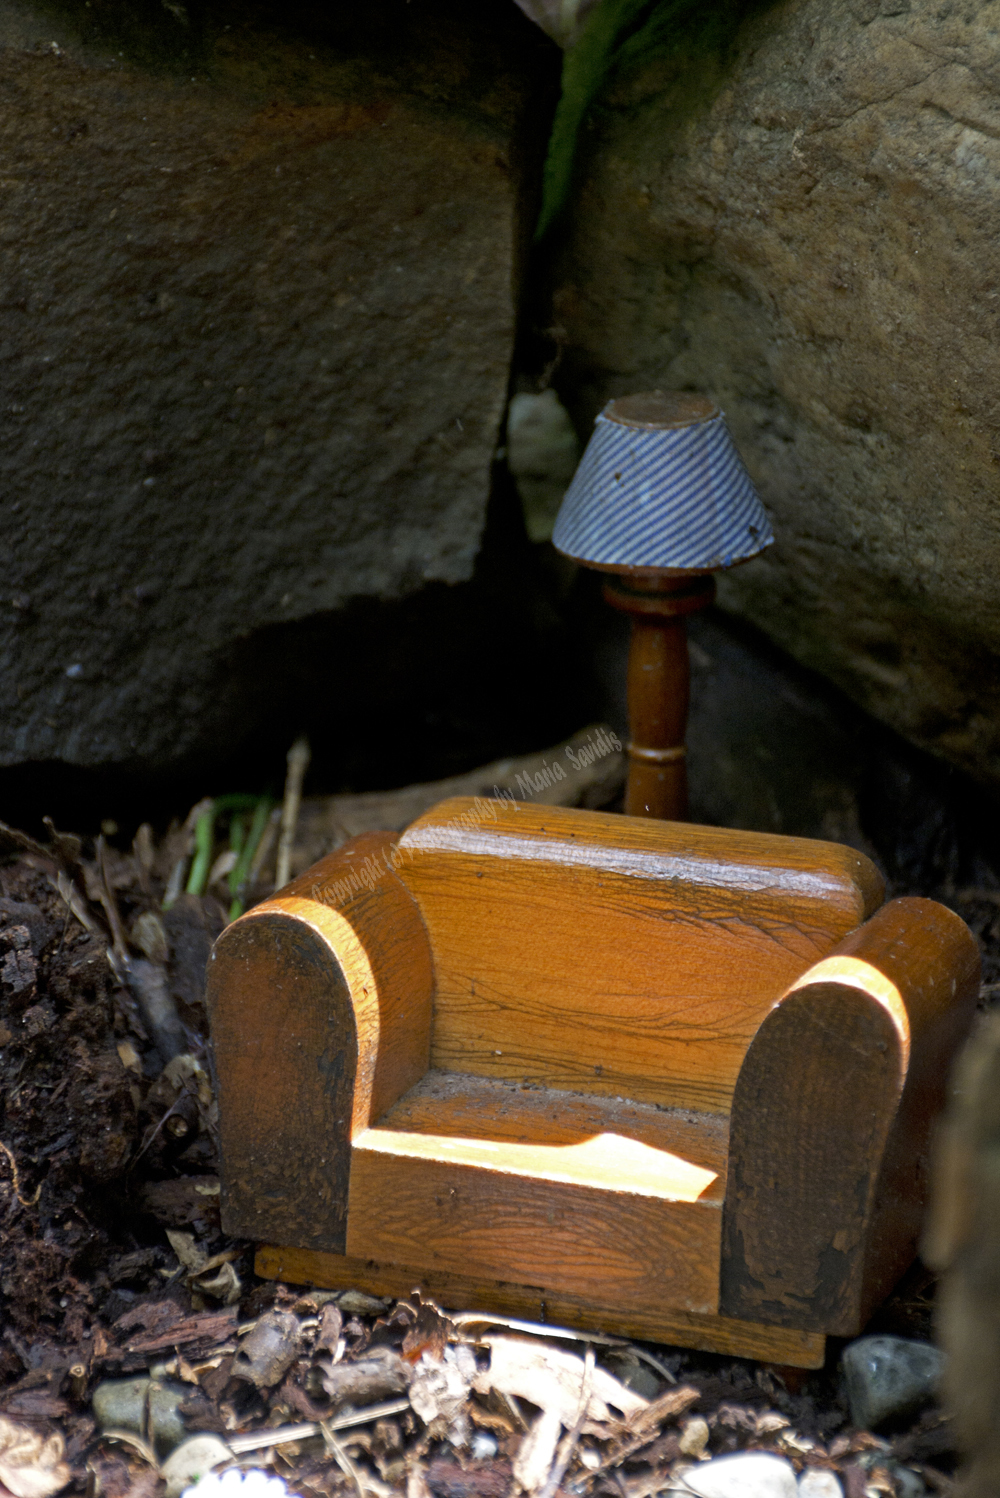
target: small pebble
889 1378
483 1446
817 1482
747 1474
192 1461
357 1303
694 1436
236 1484
120 1403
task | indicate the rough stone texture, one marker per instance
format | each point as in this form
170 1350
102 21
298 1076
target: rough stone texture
889 1378
962 1242
256 313
811 232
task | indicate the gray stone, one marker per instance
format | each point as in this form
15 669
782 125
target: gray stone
166 1425
889 1378
120 1403
811 233
257 315
142 1406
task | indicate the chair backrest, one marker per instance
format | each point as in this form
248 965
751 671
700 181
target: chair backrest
617 955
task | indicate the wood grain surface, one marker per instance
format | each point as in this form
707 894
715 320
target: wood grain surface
320 1016
470 1107
458 1292
601 1244
611 1201
659 689
659 685
618 955
832 1117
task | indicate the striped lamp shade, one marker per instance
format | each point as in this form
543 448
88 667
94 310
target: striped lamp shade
661 485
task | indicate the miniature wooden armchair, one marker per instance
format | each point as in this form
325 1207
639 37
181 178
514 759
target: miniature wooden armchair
604 1071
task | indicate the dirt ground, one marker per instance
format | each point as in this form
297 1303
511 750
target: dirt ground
105 1150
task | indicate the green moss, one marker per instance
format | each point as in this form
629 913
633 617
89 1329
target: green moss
622 35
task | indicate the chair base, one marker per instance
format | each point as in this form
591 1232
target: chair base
721 1334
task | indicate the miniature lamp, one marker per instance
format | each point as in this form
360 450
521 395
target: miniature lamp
661 500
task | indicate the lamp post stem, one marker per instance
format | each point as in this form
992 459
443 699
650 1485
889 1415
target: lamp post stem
659 679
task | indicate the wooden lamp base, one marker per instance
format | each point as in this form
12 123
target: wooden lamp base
659 685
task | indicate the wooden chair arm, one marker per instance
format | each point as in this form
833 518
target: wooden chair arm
831 1119
320 1008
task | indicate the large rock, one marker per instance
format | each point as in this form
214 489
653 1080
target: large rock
810 231
962 1242
256 307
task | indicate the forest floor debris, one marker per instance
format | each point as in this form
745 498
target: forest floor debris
131 1325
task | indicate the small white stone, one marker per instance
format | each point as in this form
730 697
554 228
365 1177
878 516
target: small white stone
483 1446
232 1483
817 1482
747 1474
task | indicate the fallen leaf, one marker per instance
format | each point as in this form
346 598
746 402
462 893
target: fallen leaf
429 1332
537 1451
440 1388
769 1422
552 1379
331 1324
188 1253
31 1465
224 1284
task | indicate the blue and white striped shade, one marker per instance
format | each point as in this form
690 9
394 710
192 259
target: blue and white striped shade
661 485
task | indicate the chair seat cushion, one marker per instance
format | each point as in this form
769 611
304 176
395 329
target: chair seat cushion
591 1196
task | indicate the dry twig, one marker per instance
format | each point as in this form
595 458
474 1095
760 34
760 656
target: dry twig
568 1443
298 763
340 1456
31 1201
